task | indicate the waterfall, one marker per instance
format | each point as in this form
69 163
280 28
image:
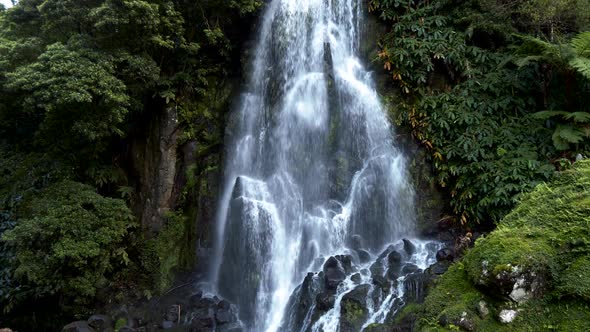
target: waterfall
311 170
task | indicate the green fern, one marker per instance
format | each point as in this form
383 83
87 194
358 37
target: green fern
572 56
544 115
580 117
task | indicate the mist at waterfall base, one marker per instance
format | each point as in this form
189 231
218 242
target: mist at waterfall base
312 171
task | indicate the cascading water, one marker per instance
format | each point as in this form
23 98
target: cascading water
312 171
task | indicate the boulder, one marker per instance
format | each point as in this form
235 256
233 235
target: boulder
173 314
410 268
356 278
385 252
409 247
202 324
79 326
334 273
519 284
394 258
414 287
377 269
392 274
364 256
224 313
101 323
325 301
353 311
302 300
444 254
438 268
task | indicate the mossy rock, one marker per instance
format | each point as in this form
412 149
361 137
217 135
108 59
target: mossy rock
353 310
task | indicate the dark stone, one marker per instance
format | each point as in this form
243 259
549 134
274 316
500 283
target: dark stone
409 247
198 301
325 301
79 326
385 252
438 268
364 256
377 269
377 295
358 294
101 323
202 324
224 313
414 287
410 268
346 263
302 300
394 258
356 278
173 314
334 273
392 274
223 305
444 254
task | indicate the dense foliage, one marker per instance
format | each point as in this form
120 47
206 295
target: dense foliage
495 90
80 84
68 241
547 237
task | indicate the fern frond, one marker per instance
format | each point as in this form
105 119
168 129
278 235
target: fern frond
581 44
537 50
544 115
582 66
569 134
580 117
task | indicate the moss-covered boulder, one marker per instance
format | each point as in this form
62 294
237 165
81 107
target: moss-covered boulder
353 310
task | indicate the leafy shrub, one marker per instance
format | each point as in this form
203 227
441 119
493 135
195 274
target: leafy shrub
69 242
474 104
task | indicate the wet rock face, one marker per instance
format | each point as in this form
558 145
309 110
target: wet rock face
336 269
377 286
414 286
409 247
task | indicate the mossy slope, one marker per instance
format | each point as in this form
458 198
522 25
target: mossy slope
546 235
